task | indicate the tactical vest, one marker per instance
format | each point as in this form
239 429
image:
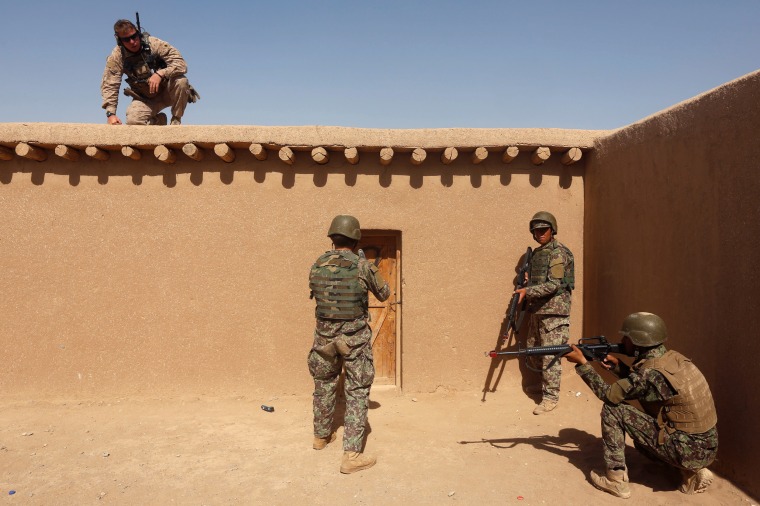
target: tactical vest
334 283
139 67
692 409
539 267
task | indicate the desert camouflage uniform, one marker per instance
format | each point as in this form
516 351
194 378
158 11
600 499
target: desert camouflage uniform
549 304
345 342
679 449
173 92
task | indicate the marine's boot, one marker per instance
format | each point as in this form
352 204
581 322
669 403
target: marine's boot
159 119
614 481
356 461
321 442
696 482
545 407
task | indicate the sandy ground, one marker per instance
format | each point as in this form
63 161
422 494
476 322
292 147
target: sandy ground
436 448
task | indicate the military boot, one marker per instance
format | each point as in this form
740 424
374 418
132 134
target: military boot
696 482
356 461
545 407
159 119
615 482
321 442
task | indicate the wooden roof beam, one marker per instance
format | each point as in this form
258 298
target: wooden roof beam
165 154
352 155
193 151
131 153
479 155
225 152
258 151
320 155
540 155
571 156
386 156
510 154
286 155
67 152
449 155
97 153
418 156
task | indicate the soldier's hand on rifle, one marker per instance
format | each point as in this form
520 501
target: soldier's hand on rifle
520 291
575 356
610 362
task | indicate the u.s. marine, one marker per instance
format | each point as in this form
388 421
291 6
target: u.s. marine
155 73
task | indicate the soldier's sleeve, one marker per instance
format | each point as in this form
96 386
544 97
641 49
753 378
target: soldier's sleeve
375 282
175 64
111 82
593 380
643 384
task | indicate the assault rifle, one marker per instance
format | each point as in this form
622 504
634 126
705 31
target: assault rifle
512 322
151 59
593 348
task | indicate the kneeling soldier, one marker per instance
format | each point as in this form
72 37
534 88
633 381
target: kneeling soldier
678 426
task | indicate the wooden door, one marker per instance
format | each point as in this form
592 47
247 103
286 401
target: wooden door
382 248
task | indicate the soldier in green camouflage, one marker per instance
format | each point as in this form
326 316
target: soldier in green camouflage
678 424
339 281
550 285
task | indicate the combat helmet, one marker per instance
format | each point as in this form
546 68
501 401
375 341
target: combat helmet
345 225
644 329
541 219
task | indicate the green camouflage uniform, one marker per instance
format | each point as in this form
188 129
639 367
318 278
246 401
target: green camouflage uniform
548 297
345 342
678 448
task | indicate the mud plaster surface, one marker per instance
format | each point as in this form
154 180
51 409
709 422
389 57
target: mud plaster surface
432 448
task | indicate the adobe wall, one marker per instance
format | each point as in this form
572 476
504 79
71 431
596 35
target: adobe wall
126 277
671 227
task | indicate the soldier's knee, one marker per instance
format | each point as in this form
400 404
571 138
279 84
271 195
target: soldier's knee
137 115
612 411
179 84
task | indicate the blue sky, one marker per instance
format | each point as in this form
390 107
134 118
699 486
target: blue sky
389 64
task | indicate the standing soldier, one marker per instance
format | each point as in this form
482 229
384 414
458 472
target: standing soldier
155 73
678 424
339 281
550 284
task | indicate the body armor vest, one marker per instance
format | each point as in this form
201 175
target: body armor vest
539 267
334 283
139 67
692 409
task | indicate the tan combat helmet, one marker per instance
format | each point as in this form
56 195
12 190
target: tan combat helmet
644 329
345 225
541 219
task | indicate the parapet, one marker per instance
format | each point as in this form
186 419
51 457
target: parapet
44 141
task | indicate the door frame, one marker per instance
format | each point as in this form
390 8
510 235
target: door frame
397 299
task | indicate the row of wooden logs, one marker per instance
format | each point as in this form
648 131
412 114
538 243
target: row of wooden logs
319 154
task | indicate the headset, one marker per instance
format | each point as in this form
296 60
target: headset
138 29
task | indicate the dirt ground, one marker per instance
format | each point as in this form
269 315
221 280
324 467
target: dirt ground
433 448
